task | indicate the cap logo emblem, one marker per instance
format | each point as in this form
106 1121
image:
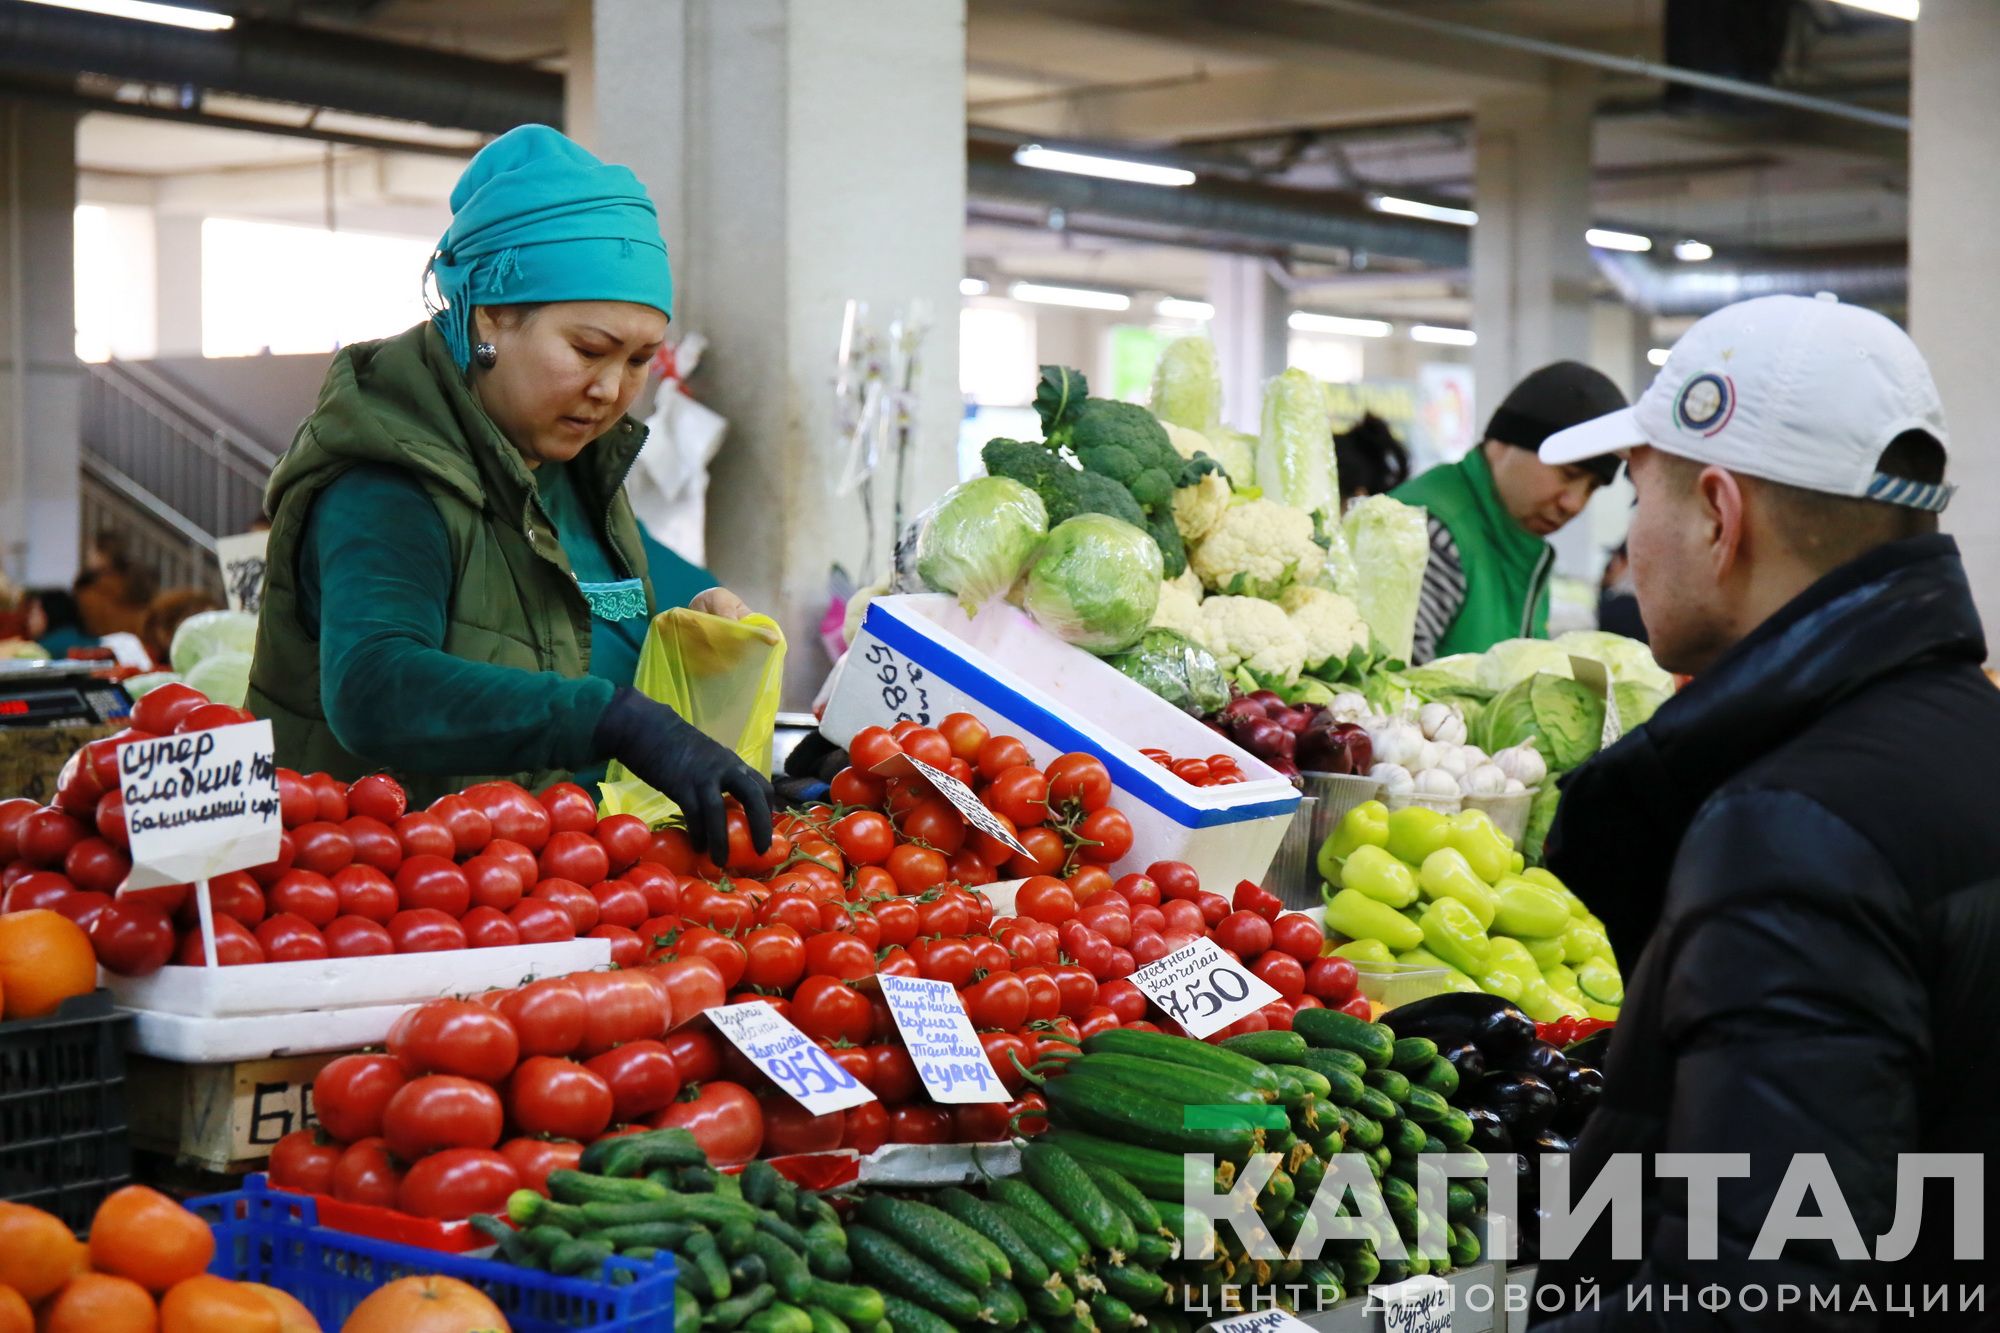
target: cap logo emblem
1706 404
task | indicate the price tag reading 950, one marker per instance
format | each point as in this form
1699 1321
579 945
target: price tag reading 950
788 1057
1202 988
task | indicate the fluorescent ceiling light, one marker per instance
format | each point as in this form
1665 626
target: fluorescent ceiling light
973 287
176 15
1433 333
1693 252
1083 298
1895 9
1604 239
1417 208
1111 168
1173 307
1658 356
1305 321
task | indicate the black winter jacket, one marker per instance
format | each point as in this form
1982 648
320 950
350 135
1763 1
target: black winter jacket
1807 842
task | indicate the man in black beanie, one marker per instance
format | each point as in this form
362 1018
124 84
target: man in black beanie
1488 576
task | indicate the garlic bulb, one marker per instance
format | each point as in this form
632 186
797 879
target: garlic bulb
1436 782
1441 723
1349 707
1395 779
1451 758
1474 756
1523 763
1514 788
1485 780
1396 742
1427 758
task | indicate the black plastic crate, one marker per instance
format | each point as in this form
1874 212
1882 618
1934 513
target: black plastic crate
64 1143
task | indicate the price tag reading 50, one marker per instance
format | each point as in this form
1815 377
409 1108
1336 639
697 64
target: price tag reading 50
1202 988
788 1057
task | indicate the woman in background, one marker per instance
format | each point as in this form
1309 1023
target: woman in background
1369 459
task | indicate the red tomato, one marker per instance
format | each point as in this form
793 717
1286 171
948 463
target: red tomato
892 1075
1282 972
1298 935
366 1174
304 1160
1245 934
1020 795
1359 1007
691 985
329 794
1079 779
574 855
836 955
898 919
110 820
526 868
455 1037
377 796
562 1098
426 930
441 1111
1176 879
490 928
471 831
619 1007
1278 1014
1139 890
95 866
296 803
541 921
572 898
570 808
235 946
627 949
624 839
322 847
1043 898
865 837
619 903
1250 1022
671 849
999 1001
729 957
375 843
1124 999
852 787
36 889
979 1122
697 1056
288 938
1044 996
1148 946
457 1183
642 1076
434 882
548 1016
867 1127
1110 922
1104 836
872 746
82 908
516 815
1046 853
1251 897
46 835
209 716
132 939
998 754
896 961
777 957
424 834
309 896
1183 914
358 937
1214 907
1002 1049
790 1128
535 1158
660 886
948 959
77 790
920 1124
287 854
965 734
723 1117
350 1093
359 890
1078 990
161 711
827 1009
1098 1019
1331 980
1029 1116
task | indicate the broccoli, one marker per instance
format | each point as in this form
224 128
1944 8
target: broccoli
1065 491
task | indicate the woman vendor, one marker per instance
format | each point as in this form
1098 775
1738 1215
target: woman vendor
456 585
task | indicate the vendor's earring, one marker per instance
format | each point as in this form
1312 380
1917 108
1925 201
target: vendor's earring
486 354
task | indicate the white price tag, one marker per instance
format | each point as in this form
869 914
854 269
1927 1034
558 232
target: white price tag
200 804
945 1049
790 1058
1202 988
242 561
1263 1321
967 804
1416 1305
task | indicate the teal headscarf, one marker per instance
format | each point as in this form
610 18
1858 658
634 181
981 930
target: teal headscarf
536 217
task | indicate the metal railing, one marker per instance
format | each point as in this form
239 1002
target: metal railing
173 450
158 538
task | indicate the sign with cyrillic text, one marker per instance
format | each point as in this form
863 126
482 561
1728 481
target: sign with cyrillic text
1416 1305
1263 1321
1202 988
967 804
200 804
942 1044
788 1057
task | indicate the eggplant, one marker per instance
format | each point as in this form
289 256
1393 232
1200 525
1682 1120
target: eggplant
1489 1131
1549 1141
1497 1028
1542 1060
1592 1050
1523 1102
1468 1060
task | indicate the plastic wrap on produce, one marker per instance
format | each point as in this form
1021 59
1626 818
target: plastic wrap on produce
1096 583
1177 669
1295 450
930 1164
1187 386
978 537
1390 545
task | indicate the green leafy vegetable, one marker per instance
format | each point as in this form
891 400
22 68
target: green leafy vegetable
1295 449
1564 717
1177 669
979 537
1096 583
210 632
1391 546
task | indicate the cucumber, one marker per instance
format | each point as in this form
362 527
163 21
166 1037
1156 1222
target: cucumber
1426 1107
567 1186
1112 1314
909 1317
1016 1192
1192 1229
824 1321
576 1257
1051 1302
1316 1083
747 1271
1363 1130
1464 1245
1400 1197
787 1270
1268 1048
1009 1310
1191 1085
1158 1174
1439 1075
1361 1269
894 1269
733 1312
1410 1054
1063 1181
779 1318
759 1182
1459 1203
660 1235
1455 1129
634 1155
1116 1110
704 1269
1125 1196
687 1310
826 1251
1153 1250
935 1237
1055 1253
860 1306
1182 1051
1026 1263
1378 1104
1333 1030
710 1210
1389 1083
1344 1084
526 1209
777 1226
1404 1137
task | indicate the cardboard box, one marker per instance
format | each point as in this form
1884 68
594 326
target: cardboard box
32 757
223 1117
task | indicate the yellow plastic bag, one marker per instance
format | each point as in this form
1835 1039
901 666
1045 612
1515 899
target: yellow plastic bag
724 676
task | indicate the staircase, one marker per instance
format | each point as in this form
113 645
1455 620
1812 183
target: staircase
165 470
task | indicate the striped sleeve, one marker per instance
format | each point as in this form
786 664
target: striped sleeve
1443 595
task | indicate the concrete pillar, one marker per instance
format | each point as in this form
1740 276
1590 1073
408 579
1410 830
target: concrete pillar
1531 269
40 377
801 154
1954 271
177 284
1249 331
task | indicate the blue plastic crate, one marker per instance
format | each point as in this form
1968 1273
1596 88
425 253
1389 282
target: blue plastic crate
269 1236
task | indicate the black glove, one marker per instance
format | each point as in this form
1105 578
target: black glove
687 767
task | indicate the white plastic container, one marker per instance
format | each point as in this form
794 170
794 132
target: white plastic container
193 1040
1508 813
919 657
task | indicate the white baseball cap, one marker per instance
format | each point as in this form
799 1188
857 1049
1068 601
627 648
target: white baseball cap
1803 391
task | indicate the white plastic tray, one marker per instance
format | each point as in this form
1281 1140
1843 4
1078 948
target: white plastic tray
188 1039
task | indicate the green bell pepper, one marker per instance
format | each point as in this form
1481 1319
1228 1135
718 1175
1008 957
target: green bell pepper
1582 942
1453 978
1359 917
1371 870
1415 832
1453 933
1526 908
1486 849
1366 825
1366 951
1547 951
1447 874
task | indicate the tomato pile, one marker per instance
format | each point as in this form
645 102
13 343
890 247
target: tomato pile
1218 770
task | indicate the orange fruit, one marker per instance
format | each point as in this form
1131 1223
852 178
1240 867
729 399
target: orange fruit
292 1316
15 1316
45 958
100 1303
37 1253
142 1234
208 1304
430 1304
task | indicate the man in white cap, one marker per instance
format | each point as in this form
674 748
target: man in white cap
1804 840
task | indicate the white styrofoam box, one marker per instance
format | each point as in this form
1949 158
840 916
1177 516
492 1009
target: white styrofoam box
919 657
913 1165
191 1039
349 983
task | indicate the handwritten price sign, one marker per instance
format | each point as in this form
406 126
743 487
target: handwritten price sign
901 682
946 1051
1202 988
200 804
788 1057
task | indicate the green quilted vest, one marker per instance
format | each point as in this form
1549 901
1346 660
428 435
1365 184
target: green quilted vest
1506 566
401 402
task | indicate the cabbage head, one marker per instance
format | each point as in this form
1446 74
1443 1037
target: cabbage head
979 537
1541 816
223 677
1391 546
138 687
1187 386
1096 583
1177 669
1513 660
208 633
1626 659
1635 703
1566 719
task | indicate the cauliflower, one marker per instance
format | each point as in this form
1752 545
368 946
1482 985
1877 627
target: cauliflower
1188 581
1179 609
1198 508
1253 633
1331 625
1258 549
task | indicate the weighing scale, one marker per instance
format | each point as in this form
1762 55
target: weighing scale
41 694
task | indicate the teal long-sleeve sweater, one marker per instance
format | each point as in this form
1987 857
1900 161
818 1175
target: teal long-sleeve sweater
375 579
